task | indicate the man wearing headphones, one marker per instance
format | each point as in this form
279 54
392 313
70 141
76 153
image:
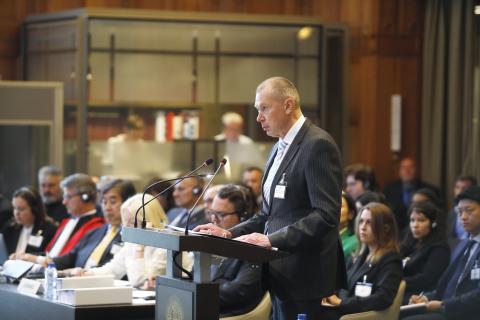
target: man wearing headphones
240 281
79 195
185 194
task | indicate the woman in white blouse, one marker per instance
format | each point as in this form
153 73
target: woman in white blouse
136 261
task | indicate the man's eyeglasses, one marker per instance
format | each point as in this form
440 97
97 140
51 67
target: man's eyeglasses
67 196
469 211
219 214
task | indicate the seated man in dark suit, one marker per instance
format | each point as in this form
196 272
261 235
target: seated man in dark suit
399 193
98 246
185 194
240 281
457 295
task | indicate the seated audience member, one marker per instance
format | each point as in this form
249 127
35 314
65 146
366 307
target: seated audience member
240 281
210 194
455 231
399 192
136 261
186 193
49 178
346 226
96 247
367 197
166 199
375 275
359 179
252 178
457 294
427 194
425 251
30 230
232 129
79 196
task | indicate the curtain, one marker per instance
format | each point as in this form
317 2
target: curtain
449 132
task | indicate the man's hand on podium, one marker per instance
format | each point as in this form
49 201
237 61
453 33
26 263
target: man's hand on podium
256 238
214 230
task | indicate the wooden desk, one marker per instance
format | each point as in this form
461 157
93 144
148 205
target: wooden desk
18 306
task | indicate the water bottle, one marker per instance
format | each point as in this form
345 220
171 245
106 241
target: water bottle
301 316
51 282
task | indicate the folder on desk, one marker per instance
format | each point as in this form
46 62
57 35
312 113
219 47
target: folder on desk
95 296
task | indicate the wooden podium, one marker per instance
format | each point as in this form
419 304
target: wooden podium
177 298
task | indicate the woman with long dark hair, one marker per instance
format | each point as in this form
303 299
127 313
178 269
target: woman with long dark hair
30 230
425 251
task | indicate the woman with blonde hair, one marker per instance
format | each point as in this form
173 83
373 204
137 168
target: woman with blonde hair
374 277
136 261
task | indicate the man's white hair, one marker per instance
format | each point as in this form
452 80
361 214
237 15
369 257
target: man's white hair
231 117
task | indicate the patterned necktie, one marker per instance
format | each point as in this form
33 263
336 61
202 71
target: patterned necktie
267 186
97 254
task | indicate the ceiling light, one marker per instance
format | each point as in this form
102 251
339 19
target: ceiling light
304 33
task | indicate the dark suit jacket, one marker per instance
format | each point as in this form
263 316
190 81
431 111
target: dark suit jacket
11 232
394 195
424 267
305 223
466 302
240 286
79 255
385 276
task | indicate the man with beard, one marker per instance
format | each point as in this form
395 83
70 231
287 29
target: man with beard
49 178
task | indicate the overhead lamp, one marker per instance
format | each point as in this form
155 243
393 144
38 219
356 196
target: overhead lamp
304 33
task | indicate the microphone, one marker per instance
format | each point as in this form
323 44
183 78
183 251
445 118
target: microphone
188 175
222 164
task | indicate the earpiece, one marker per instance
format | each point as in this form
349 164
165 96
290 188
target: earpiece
196 191
366 184
434 224
85 197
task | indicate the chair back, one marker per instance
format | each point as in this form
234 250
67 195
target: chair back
261 312
391 313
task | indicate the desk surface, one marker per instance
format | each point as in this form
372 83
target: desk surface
16 305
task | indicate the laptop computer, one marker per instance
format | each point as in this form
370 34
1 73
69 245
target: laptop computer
15 268
3 250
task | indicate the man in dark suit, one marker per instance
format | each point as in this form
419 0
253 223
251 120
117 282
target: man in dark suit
186 194
457 295
301 207
399 192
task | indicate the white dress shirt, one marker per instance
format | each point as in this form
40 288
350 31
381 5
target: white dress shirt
23 239
288 139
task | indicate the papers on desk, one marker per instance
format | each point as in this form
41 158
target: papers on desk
95 296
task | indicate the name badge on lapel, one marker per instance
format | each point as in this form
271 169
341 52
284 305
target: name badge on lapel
475 273
35 241
281 188
363 289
